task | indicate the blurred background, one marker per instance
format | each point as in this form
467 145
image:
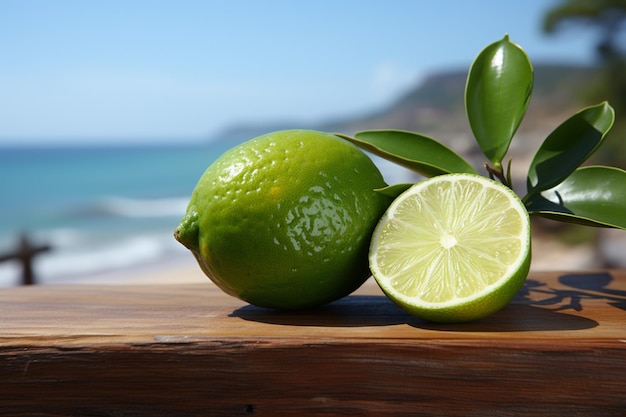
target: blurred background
110 111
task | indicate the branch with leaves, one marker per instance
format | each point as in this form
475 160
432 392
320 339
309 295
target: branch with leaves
497 93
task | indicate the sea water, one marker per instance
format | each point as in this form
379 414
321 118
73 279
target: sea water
100 208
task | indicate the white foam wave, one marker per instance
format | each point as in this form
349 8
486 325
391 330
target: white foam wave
10 273
73 260
132 207
124 254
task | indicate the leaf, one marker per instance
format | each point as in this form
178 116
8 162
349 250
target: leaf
497 93
568 146
593 196
395 190
411 150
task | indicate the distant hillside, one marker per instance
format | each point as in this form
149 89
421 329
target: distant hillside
437 104
436 107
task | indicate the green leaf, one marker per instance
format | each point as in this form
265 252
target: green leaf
395 190
593 196
568 146
411 150
497 93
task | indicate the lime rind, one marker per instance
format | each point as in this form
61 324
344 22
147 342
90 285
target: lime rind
187 231
451 249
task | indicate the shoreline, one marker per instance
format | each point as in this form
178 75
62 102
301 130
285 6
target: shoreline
182 268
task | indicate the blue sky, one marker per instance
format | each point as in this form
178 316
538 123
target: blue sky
154 71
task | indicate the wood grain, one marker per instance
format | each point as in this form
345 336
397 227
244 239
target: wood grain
189 350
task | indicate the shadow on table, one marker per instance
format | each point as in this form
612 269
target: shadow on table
537 307
540 307
351 311
580 289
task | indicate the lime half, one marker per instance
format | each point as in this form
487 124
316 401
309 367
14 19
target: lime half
452 248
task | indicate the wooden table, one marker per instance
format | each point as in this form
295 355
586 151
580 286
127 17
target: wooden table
189 350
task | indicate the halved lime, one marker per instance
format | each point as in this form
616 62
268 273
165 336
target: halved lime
452 248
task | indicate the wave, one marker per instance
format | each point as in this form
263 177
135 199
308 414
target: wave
75 255
129 207
123 254
135 207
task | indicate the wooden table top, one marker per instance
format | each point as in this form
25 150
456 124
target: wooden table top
574 307
562 339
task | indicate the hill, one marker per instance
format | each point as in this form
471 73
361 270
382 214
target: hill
435 107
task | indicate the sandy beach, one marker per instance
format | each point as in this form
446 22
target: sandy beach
547 256
178 271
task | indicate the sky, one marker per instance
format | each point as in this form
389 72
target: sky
151 71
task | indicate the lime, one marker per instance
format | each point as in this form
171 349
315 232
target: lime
285 220
452 248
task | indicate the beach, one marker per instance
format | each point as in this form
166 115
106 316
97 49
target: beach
109 214
104 211
180 271
548 255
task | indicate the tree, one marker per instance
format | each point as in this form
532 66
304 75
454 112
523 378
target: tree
608 17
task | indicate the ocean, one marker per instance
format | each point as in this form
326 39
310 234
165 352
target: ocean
101 209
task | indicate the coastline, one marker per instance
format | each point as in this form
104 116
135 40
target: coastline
181 268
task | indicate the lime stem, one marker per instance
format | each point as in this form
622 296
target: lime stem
499 174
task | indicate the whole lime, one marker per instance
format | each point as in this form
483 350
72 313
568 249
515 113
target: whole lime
284 220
